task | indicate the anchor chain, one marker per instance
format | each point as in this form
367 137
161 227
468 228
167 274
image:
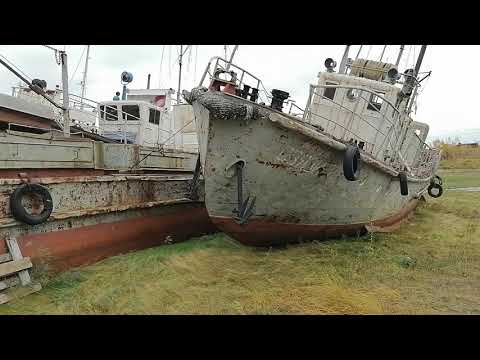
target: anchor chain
244 208
193 189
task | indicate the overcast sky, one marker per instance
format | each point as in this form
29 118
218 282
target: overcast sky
446 102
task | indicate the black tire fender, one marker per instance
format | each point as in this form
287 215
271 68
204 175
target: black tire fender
438 180
435 186
351 163
20 213
403 183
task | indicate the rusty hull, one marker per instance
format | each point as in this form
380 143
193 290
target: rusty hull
260 232
83 241
99 216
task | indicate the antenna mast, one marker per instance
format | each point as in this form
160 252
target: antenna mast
383 52
66 114
180 70
402 47
343 64
84 78
231 58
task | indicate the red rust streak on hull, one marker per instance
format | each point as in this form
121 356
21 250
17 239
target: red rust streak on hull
258 232
84 245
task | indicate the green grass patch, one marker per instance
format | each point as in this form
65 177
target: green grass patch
458 178
430 265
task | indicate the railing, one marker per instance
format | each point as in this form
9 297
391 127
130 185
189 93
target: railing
388 125
379 127
427 160
224 65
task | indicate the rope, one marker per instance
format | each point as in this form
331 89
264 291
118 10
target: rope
16 68
195 68
169 62
160 146
161 64
79 61
407 59
414 57
189 60
51 48
368 53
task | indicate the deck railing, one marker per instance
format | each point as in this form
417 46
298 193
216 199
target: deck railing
242 76
388 125
389 130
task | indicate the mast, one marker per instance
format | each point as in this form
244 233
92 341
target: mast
84 77
358 53
343 64
231 58
402 47
180 70
383 52
420 59
179 73
66 115
415 74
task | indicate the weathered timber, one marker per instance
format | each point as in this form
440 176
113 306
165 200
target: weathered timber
14 266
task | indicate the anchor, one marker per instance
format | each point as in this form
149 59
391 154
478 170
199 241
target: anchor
244 208
193 189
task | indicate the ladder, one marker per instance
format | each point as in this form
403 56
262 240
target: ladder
15 280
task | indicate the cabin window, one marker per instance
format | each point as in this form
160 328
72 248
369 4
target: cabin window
110 112
353 94
132 112
154 117
375 102
329 92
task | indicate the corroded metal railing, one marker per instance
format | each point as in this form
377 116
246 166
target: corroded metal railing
389 134
221 64
386 136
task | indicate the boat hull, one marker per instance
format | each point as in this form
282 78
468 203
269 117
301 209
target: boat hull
96 216
296 179
63 244
259 232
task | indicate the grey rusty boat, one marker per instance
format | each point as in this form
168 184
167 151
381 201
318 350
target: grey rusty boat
352 161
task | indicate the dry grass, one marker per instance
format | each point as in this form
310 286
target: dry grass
458 157
431 265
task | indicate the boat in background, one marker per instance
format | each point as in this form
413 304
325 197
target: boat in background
83 180
353 161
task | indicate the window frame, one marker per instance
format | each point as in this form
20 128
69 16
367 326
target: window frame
372 104
156 116
129 116
108 113
330 89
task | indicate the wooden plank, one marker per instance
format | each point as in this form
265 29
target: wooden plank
17 255
9 282
19 292
15 266
5 258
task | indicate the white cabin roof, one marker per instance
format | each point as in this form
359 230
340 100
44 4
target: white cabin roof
151 92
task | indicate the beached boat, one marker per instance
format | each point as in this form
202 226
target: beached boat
85 180
353 160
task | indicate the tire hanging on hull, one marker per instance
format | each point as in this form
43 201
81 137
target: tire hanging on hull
20 213
403 183
351 163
